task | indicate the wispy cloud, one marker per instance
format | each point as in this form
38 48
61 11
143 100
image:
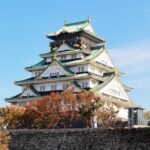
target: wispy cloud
136 55
135 61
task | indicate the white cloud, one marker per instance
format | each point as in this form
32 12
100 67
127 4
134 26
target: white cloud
136 55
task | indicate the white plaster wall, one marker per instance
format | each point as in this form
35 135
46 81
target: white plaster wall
84 80
78 55
63 47
95 70
48 85
114 84
90 82
93 83
36 73
75 68
123 113
28 92
48 59
54 68
104 59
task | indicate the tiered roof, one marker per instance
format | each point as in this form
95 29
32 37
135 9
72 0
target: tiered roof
83 26
43 64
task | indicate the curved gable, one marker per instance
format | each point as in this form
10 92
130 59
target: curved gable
114 88
64 47
28 92
55 69
104 59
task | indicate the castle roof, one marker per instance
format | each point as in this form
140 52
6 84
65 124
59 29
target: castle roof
74 27
43 64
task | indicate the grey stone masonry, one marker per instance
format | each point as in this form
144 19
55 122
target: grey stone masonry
80 139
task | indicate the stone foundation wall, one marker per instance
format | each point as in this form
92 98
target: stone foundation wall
80 139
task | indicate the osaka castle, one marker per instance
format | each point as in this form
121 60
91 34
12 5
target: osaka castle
77 58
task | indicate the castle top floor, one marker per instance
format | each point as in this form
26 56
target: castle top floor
75 34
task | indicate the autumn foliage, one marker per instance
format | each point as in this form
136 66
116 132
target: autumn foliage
65 110
147 116
106 116
58 111
10 117
4 136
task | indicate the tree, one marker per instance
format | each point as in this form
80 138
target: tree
4 136
10 117
53 111
89 104
147 115
65 110
106 115
43 113
59 110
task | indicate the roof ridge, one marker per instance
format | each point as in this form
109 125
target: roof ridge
34 90
76 23
102 85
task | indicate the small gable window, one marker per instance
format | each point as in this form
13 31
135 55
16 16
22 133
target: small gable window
65 86
81 69
53 87
42 88
84 84
73 56
54 74
63 57
28 94
116 92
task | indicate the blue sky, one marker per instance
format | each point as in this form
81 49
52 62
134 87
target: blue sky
124 24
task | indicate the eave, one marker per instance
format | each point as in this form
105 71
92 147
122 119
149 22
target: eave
10 100
81 32
57 79
120 102
102 85
127 88
46 55
78 76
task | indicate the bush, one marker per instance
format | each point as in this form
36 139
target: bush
65 110
11 117
106 116
4 136
59 111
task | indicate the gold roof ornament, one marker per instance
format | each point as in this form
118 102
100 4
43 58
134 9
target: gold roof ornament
116 72
65 23
89 19
71 82
76 45
54 48
54 58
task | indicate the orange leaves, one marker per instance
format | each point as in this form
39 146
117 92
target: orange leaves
10 116
106 116
56 110
44 113
4 140
65 110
